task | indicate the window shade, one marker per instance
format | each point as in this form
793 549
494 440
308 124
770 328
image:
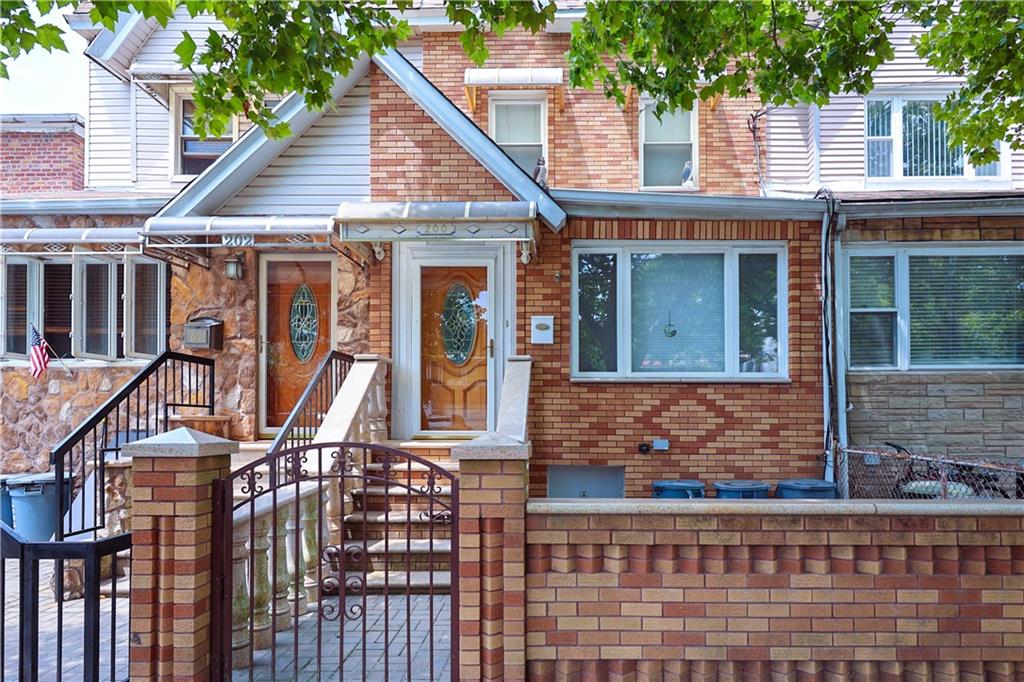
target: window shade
57 307
872 334
97 309
678 312
146 332
16 313
966 310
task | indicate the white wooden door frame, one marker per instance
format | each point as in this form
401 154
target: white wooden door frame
408 258
261 339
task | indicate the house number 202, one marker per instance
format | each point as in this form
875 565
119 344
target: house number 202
234 240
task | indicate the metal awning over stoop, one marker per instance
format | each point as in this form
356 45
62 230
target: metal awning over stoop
378 222
58 241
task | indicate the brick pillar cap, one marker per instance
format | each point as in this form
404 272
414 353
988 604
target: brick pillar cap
181 442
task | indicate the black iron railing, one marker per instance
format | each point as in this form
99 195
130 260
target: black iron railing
305 418
139 410
85 639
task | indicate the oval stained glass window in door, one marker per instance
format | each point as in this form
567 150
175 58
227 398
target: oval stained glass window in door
304 323
458 324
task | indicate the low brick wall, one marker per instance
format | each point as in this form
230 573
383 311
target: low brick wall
641 589
962 414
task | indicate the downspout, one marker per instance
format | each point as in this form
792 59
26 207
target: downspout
132 134
827 337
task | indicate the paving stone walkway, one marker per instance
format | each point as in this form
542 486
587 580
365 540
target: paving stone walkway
389 647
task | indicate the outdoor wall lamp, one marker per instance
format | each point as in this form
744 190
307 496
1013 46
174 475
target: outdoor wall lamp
233 266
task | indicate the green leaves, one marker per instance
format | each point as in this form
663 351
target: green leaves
782 52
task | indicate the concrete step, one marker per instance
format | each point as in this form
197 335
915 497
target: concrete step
249 452
395 525
419 582
399 499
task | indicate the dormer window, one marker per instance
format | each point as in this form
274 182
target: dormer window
191 155
668 149
905 140
518 125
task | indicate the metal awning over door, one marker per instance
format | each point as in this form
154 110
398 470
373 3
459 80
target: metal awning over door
437 220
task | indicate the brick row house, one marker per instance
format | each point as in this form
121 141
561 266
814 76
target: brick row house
692 305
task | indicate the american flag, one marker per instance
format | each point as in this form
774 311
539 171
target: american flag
39 356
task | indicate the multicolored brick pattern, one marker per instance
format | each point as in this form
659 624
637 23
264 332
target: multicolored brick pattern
33 162
678 596
172 521
767 431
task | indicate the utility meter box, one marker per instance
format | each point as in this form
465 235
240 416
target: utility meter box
204 333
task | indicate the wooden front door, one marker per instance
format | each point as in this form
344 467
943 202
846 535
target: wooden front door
297 322
455 346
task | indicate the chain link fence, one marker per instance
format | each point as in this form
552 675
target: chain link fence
877 473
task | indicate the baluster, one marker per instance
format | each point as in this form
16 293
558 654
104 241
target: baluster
376 409
283 620
239 597
311 544
296 563
262 636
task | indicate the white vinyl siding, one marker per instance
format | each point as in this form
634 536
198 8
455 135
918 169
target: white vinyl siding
842 139
153 166
159 49
935 307
326 165
791 146
108 149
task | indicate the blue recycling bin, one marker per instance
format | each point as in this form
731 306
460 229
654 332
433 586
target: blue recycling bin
6 512
742 489
34 503
806 489
678 490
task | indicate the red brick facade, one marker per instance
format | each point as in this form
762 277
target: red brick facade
41 162
764 431
592 143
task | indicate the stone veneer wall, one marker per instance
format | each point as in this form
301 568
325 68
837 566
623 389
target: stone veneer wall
963 414
36 414
959 413
855 591
200 292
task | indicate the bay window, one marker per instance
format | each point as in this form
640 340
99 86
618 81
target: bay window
96 307
935 307
650 310
904 139
668 149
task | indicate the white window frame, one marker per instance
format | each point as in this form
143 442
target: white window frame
623 250
694 142
129 306
77 261
901 254
897 179
34 315
528 97
178 94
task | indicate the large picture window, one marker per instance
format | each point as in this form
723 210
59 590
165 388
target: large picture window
935 307
649 310
904 139
85 307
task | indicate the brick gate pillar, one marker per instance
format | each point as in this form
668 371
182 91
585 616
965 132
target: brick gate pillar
171 576
492 558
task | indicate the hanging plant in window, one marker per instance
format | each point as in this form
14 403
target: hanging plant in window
304 323
458 324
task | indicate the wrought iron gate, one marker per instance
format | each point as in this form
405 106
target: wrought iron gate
336 561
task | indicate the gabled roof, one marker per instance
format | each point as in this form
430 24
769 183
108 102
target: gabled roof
247 157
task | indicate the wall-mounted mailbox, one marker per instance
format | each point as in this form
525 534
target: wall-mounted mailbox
542 329
206 333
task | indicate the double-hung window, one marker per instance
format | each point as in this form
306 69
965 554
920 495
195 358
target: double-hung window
518 124
905 140
95 307
668 149
653 310
191 155
935 307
